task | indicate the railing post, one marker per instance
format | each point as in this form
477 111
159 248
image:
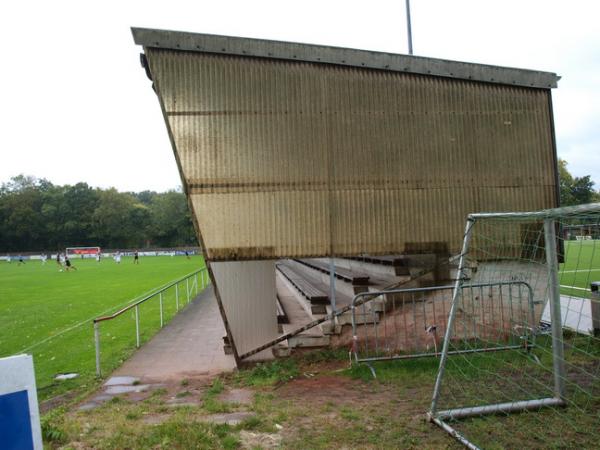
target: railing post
196 275
97 345
160 300
187 289
202 277
177 296
137 326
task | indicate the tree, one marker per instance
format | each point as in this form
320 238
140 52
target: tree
575 190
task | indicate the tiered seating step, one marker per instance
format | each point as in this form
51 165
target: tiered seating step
350 276
307 289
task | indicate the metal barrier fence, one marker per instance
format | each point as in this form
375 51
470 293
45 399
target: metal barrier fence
192 282
411 321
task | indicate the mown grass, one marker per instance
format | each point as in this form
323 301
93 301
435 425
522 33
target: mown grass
581 267
48 313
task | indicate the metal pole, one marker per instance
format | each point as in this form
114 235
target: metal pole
202 277
97 342
555 313
332 284
177 296
137 326
187 289
455 295
196 283
160 300
409 28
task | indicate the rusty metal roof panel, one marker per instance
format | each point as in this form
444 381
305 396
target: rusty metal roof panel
294 159
261 48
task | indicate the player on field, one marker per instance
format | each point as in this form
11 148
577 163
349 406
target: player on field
44 258
98 257
136 258
68 265
20 260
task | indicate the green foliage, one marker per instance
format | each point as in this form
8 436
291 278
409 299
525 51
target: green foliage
216 387
575 190
36 215
266 374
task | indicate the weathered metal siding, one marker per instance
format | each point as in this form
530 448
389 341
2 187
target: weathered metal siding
287 159
247 291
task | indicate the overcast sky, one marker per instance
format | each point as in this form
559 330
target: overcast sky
76 105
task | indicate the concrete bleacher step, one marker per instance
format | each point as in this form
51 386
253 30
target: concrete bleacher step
298 314
354 277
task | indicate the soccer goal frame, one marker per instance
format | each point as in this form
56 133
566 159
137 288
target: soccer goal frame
85 251
445 418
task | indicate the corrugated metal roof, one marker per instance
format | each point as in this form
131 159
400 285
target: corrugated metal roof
260 48
289 158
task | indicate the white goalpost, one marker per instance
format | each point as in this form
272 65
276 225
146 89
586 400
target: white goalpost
553 380
79 252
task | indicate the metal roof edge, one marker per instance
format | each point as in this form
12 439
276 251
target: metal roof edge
261 48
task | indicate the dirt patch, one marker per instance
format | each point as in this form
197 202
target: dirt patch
57 401
324 388
239 396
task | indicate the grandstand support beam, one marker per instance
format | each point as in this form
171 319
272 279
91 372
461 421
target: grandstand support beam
555 313
213 280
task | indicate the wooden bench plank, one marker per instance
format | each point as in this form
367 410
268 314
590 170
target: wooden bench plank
313 294
341 273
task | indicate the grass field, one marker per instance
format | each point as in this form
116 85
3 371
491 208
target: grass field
48 313
581 267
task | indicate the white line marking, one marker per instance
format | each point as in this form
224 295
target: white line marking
579 270
573 287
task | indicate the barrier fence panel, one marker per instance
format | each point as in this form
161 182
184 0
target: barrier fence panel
412 322
143 318
555 385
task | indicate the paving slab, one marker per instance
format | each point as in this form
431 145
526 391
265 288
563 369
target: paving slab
191 344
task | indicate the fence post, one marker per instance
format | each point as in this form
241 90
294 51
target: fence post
137 326
196 283
97 345
160 300
555 313
202 277
177 296
595 304
187 288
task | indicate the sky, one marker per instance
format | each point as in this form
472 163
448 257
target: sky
77 106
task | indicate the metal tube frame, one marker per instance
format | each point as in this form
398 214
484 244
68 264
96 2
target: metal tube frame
452 315
137 326
558 352
549 217
135 306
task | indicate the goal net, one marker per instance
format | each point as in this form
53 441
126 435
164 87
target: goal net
544 393
79 252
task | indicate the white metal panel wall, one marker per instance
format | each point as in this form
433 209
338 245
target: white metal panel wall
247 290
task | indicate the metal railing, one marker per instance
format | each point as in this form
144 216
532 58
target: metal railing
410 321
190 287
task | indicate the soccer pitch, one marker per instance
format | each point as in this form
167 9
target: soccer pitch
581 267
48 313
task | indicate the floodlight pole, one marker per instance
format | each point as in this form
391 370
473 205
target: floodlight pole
409 28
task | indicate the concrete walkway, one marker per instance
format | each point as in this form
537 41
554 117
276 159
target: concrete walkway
190 345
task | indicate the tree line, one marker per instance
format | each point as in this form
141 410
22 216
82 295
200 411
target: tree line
37 215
